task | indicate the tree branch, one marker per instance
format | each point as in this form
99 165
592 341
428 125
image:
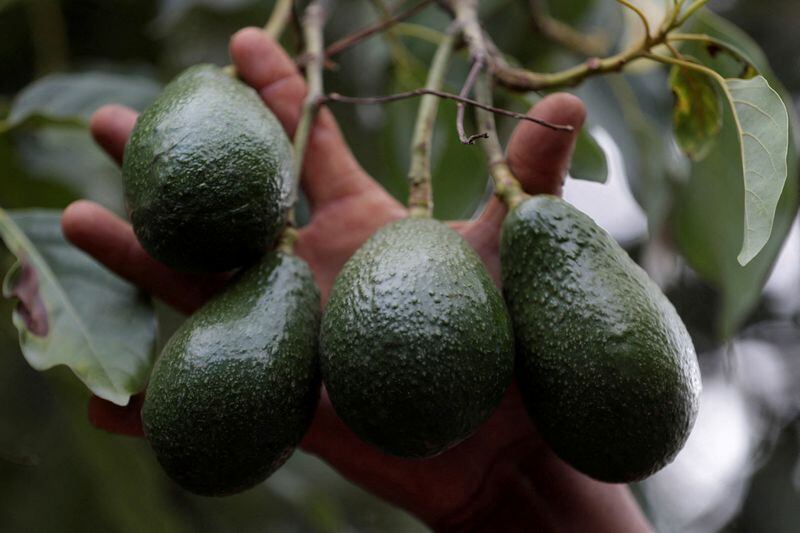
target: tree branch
525 80
506 185
313 23
476 69
368 100
279 18
351 40
420 197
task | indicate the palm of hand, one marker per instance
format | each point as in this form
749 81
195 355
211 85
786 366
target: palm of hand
504 462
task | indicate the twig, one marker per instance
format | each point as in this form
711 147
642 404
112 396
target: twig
713 43
525 80
313 22
641 16
690 11
420 197
279 18
506 185
476 69
282 14
351 40
368 100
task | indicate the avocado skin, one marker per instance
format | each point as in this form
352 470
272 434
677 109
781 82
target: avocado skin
207 173
235 388
416 348
606 368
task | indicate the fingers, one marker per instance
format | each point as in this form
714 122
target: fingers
111 241
539 158
330 169
111 126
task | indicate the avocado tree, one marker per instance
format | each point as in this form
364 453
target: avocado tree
416 347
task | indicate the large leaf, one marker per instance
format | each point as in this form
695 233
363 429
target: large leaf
697 112
762 123
70 99
73 312
707 220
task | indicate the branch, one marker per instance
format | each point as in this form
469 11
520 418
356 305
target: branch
506 185
282 14
279 18
365 33
525 80
313 22
690 11
368 100
476 69
641 16
420 197
715 45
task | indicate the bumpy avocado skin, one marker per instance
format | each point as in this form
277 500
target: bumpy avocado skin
416 348
606 367
235 388
207 173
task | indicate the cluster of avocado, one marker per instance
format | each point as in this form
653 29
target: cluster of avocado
416 345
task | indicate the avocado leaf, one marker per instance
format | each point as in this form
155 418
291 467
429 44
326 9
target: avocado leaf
73 312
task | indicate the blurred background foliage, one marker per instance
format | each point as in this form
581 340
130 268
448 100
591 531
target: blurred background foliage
61 59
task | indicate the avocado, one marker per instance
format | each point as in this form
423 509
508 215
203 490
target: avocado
605 366
207 173
416 348
236 386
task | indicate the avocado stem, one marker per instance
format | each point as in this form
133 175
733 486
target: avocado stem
506 186
420 196
287 240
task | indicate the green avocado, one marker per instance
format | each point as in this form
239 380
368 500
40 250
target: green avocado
236 386
207 173
416 348
606 368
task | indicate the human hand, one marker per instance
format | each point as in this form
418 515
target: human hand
503 478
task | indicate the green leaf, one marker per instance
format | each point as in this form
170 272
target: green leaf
73 312
763 126
707 218
696 113
70 99
589 161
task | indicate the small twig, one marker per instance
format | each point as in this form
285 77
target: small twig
641 16
279 18
368 100
713 43
420 196
365 33
525 80
506 186
477 67
698 4
313 22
